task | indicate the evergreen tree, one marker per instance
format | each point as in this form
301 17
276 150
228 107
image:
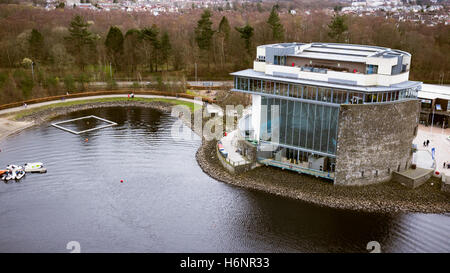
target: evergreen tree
246 34
337 28
224 36
204 32
166 48
150 35
259 7
275 25
80 42
114 44
36 45
132 48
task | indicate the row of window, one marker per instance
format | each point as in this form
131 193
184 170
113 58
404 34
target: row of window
337 96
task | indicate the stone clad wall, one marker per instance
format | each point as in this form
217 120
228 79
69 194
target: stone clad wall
374 140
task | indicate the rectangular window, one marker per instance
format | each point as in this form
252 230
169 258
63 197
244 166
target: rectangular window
328 95
311 93
371 69
317 127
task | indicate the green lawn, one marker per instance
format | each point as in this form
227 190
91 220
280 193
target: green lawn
27 112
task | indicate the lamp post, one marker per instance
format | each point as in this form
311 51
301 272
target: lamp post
432 121
196 72
32 70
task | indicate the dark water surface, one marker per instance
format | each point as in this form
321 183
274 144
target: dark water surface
166 203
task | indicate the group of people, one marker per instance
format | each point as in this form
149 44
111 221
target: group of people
426 143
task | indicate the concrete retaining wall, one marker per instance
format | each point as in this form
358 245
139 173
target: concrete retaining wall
236 169
411 183
374 140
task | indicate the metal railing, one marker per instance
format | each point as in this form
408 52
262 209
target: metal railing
99 93
297 168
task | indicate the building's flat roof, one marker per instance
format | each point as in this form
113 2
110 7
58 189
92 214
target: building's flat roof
338 52
250 73
328 56
434 91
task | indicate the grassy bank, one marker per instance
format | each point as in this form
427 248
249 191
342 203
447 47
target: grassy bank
26 112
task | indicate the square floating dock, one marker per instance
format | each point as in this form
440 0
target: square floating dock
108 124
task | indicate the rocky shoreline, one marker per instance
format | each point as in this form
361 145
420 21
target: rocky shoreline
388 197
385 197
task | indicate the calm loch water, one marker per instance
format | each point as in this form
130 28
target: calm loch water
166 203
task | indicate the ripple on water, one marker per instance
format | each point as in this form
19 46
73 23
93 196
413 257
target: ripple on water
166 203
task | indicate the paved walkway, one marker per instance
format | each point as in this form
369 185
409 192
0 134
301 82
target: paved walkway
15 109
437 137
229 144
9 126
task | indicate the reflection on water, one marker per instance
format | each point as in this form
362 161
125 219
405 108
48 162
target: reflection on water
167 204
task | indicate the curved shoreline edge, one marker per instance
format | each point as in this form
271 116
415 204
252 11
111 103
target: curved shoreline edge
10 126
388 197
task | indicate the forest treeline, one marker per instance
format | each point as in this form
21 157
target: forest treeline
51 52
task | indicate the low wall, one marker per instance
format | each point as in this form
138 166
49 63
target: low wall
99 93
235 169
411 183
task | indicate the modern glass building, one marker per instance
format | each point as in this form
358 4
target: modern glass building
298 91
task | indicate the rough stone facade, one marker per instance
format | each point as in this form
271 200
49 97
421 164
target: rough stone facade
374 141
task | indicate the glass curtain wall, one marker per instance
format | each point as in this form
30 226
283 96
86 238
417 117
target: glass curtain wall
304 125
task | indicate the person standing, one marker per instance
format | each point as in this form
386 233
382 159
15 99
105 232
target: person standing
428 142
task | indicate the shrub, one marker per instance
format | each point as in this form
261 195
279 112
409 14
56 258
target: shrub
69 83
24 82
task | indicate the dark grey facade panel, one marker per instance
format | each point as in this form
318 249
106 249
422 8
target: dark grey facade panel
285 75
278 51
341 81
397 69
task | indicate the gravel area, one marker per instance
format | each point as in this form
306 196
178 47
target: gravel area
384 197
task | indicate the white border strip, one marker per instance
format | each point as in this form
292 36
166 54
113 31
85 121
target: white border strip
110 123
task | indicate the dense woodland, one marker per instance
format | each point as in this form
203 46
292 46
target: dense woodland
51 52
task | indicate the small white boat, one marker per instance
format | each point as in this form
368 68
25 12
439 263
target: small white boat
4 174
33 167
17 172
14 172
